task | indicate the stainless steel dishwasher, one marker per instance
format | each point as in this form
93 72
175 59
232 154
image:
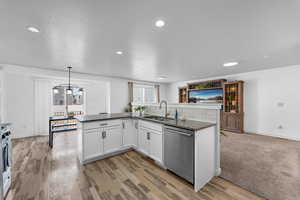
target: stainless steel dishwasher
179 152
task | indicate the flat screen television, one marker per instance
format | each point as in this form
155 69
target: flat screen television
206 96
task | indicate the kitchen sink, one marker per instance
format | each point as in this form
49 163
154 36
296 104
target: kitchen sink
159 118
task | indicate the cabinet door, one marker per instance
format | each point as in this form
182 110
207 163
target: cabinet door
129 133
93 143
156 146
232 121
143 145
135 132
113 139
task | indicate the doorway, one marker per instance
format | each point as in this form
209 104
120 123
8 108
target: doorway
93 100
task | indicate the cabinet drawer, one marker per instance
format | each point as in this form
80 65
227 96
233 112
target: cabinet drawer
150 125
101 124
99 130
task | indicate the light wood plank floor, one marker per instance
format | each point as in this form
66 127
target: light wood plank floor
40 173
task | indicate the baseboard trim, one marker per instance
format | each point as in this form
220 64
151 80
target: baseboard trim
160 164
123 150
276 136
106 155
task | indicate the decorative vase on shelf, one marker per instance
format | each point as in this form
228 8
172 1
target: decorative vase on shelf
233 102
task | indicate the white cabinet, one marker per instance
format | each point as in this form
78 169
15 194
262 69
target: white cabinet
156 146
144 141
130 130
92 143
99 139
135 132
151 140
100 124
112 139
102 138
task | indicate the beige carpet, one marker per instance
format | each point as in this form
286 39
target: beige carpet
267 166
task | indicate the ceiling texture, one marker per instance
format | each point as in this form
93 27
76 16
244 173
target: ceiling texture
199 36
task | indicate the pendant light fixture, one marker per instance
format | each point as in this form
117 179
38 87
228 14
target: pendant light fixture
55 90
80 91
69 89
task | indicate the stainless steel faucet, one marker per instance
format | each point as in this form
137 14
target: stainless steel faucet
166 107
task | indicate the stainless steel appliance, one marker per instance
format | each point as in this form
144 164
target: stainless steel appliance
6 160
179 152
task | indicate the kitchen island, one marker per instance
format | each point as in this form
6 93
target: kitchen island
190 144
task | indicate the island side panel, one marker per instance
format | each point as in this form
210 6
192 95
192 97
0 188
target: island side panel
205 156
218 144
80 141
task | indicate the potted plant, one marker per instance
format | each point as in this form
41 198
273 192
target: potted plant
230 98
201 86
71 114
140 109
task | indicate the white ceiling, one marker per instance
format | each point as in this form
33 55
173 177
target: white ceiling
198 38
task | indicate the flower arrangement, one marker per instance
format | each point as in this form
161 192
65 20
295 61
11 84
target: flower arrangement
140 109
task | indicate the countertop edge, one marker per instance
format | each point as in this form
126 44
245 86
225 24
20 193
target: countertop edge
209 124
104 119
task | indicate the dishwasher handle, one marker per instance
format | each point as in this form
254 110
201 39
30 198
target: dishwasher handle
178 132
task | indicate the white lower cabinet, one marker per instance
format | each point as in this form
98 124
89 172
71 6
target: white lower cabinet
144 141
130 130
151 141
99 139
105 137
156 146
92 143
112 139
135 132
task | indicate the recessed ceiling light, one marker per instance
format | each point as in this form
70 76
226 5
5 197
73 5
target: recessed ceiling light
162 77
266 56
33 29
119 52
230 64
160 23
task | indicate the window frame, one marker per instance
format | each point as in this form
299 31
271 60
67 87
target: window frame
144 87
66 97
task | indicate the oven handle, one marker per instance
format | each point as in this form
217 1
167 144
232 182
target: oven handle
178 132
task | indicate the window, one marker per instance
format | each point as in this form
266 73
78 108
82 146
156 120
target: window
143 93
60 96
76 98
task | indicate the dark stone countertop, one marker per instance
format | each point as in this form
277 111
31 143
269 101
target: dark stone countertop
90 118
185 124
188 124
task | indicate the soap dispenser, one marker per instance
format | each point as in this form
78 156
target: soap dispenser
176 115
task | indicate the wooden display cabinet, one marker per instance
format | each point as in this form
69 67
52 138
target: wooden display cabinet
232 118
183 92
211 84
183 95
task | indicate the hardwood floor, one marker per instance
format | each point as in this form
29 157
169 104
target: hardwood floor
41 173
